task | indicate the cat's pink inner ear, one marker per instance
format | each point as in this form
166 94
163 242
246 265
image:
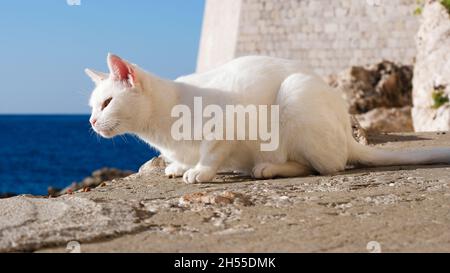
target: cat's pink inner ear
120 69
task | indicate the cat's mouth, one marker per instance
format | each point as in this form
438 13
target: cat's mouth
107 131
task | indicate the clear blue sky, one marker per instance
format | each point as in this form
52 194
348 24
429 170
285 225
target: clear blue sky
45 46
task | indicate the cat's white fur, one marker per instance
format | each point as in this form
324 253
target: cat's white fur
315 130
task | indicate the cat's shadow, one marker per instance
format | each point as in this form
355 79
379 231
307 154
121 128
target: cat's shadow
380 138
232 178
377 138
356 170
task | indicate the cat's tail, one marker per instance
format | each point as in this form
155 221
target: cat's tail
373 156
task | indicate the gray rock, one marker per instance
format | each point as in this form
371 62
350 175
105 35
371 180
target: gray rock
387 120
381 85
377 92
7 195
151 165
28 223
96 179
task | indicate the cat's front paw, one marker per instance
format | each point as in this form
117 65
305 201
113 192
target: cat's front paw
174 170
199 175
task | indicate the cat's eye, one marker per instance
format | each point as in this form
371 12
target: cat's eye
106 103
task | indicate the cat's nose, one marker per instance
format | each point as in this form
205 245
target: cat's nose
93 121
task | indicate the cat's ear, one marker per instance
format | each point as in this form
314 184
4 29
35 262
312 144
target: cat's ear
121 70
96 76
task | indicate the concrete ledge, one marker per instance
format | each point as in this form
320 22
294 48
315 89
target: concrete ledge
401 208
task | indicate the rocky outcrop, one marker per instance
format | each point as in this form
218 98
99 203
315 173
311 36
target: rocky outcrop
96 179
7 195
377 91
381 85
387 120
431 111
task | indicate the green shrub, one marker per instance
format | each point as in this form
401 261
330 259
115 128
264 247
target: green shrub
418 11
421 3
446 4
419 8
439 97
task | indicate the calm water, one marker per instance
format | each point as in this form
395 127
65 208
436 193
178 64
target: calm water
41 151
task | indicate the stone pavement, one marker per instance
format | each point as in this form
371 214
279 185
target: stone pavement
399 208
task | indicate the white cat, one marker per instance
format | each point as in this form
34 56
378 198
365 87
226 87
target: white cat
315 131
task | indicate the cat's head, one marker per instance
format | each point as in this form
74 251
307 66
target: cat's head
117 98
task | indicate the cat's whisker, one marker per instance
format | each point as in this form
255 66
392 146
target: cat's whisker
92 132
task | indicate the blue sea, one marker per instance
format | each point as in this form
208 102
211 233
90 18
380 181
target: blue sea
37 151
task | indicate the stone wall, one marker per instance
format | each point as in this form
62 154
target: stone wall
219 33
327 35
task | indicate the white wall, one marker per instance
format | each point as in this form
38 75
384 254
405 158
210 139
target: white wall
327 35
